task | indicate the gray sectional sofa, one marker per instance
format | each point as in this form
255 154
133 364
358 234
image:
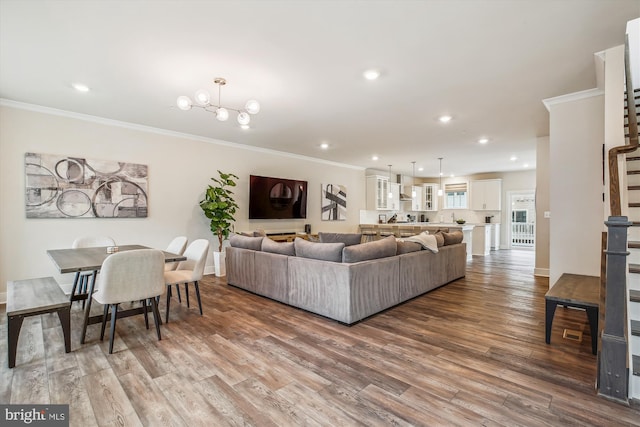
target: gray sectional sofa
317 277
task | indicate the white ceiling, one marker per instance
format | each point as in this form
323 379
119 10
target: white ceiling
487 63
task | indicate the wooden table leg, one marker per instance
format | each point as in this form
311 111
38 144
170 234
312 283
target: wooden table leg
65 321
550 310
592 315
14 324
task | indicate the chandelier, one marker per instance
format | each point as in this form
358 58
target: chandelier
203 100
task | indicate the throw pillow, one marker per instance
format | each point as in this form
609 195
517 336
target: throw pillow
321 251
439 239
406 247
371 250
284 248
452 238
245 242
347 238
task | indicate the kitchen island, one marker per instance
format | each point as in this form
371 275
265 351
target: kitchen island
405 229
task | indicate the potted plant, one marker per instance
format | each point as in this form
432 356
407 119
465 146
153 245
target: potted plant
219 206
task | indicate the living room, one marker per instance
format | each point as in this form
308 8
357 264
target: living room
181 163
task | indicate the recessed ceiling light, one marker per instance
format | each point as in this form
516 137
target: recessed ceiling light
526 165
420 169
244 127
324 145
513 158
452 176
445 119
374 158
483 140
80 87
371 74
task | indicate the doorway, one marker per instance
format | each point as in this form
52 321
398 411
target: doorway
522 219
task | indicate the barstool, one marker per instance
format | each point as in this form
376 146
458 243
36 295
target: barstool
368 232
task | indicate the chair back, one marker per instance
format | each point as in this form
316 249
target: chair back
196 255
131 276
177 246
93 242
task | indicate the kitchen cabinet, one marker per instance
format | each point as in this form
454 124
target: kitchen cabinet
393 202
417 200
486 195
377 192
430 197
482 240
495 237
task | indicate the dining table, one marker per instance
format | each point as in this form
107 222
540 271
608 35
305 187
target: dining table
91 259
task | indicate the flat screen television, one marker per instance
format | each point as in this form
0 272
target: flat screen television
277 198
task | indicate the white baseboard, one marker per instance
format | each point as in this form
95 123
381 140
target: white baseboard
3 298
543 272
210 269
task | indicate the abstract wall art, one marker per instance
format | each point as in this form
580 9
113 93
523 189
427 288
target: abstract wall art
76 187
334 202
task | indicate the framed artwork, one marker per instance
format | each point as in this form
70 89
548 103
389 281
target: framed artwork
76 187
334 202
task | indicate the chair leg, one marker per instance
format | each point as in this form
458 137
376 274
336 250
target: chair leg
179 297
156 316
104 321
144 312
84 279
166 320
198 296
186 292
114 314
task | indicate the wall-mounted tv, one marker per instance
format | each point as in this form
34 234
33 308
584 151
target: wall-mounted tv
277 198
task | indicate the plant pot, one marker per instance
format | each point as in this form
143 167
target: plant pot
219 265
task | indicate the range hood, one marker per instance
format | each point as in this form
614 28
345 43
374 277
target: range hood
403 196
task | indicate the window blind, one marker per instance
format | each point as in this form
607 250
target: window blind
459 187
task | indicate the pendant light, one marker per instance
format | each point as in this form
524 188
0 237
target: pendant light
413 181
390 195
440 192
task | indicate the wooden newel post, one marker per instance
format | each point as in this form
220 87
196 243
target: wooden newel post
613 377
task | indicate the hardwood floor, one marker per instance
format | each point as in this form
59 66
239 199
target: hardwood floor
469 353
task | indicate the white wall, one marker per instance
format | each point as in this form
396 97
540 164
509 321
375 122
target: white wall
180 168
575 173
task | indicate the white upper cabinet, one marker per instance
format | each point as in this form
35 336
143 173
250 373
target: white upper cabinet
486 195
393 202
378 192
430 197
417 198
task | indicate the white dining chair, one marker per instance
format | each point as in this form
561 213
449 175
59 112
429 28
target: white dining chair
136 275
190 270
177 246
81 280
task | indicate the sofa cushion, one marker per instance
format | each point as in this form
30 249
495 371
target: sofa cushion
284 248
347 238
452 238
245 242
439 239
321 251
371 250
406 247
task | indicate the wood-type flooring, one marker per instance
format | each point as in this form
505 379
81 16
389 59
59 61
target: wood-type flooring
469 353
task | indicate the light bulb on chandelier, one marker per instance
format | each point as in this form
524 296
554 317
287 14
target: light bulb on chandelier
203 100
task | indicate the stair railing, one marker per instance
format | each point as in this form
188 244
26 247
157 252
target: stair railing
613 371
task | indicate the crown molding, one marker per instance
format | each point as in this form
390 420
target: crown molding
149 129
576 96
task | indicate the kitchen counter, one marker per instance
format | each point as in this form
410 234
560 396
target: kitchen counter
400 227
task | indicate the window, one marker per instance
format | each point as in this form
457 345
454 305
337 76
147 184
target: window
455 196
519 215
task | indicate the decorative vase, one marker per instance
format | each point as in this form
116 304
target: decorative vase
220 269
